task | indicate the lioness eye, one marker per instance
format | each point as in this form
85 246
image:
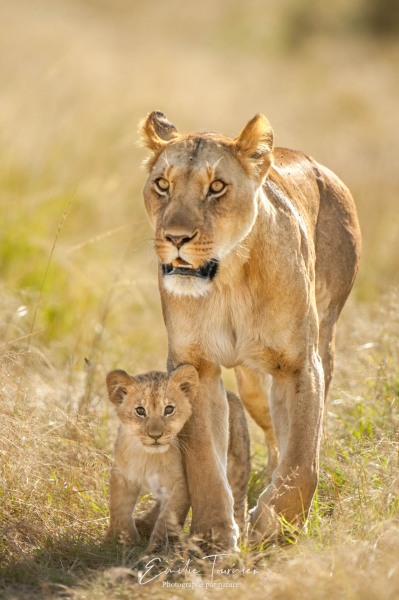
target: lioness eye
217 187
140 411
162 185
169 410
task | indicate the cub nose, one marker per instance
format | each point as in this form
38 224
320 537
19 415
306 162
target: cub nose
179 240
155 429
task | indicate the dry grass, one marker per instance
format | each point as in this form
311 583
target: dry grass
54 479
76 78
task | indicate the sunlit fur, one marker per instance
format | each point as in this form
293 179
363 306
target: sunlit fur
286 235
139 464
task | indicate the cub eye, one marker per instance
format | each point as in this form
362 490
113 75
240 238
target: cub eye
161 185
217 187
140 411
169 410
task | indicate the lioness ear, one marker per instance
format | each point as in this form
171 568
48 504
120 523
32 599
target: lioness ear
186 378
156 131
255 144
117 384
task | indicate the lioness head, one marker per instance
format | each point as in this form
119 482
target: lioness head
153 407
202 197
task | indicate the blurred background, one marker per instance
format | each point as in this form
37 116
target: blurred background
77 270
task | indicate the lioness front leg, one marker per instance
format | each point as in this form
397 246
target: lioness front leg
297 408
204 443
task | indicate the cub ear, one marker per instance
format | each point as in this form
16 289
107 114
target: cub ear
156 131
255 145
186 379
117 383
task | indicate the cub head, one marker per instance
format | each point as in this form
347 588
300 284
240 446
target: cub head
201 196
153 407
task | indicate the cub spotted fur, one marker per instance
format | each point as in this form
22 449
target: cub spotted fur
153 409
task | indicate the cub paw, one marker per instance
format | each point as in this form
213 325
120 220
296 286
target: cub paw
122 536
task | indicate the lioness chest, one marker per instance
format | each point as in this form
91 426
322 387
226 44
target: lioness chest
231 329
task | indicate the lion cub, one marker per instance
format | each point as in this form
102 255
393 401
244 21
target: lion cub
153 408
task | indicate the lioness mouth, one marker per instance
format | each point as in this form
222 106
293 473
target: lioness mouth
205 271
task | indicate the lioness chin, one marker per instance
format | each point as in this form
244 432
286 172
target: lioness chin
258 249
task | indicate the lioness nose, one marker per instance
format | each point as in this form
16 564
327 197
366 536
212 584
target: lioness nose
179 240
155 437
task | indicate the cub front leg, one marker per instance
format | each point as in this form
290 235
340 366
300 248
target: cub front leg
297 411
173 510
204 444
145 524
123 498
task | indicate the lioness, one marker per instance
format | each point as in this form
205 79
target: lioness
152 409
258 249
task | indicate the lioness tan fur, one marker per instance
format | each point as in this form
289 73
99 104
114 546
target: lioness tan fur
258 249
152 409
